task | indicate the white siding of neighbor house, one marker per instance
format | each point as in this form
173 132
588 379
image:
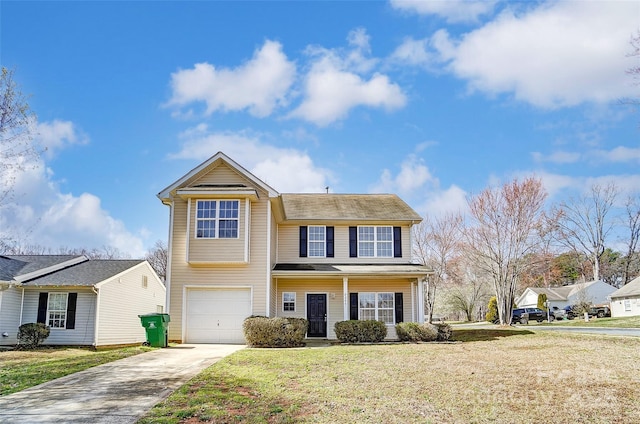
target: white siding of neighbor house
597 293
335 297
530 300
289 245
618 307
252 274
9 315
83 333
122 299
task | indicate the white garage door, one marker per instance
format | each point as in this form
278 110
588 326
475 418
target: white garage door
216 315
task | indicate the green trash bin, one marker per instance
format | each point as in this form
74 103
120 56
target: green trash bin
156 326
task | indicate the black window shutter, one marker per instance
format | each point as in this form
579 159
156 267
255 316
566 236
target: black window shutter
42 307
71 311
329 236
353 306
399 308
303 241
397 242
353 242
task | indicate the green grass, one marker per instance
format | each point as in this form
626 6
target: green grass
21 369
623 322
493 376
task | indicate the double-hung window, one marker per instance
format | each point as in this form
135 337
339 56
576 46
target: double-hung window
375 242
57 310
376 306
289 301
317 241
217 218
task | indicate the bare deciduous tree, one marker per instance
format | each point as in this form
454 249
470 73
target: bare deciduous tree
435 242
633 225
158 257
506 227
583 223
468 291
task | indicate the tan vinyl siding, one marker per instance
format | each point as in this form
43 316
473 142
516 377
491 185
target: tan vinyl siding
227 275
221 174
218 250
83 333
126 293
9 315
289 246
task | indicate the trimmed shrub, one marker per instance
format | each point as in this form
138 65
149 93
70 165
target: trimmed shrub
444 332
414 332
32 334
365 331
492 311
274 332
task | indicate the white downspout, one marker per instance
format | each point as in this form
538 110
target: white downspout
420 300
21 307
345 298
167 278
268 260
413 302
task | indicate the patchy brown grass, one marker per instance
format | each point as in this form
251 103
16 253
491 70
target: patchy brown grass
515 376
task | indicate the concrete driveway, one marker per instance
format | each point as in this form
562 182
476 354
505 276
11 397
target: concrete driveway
118 392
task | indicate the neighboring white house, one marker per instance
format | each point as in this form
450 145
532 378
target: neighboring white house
625 302
594 292
85 302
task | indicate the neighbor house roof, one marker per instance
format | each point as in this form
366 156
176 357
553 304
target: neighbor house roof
13 267
346 207
563 292
87 273
632 288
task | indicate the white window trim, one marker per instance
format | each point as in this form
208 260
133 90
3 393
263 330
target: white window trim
64 311
217 220
377 309
295 303
324 241
627 305
375 241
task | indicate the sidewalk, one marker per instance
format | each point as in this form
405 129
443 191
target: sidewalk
119 392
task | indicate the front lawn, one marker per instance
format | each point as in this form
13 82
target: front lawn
496 375
20 369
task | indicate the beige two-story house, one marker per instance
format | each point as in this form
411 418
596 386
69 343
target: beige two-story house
237 248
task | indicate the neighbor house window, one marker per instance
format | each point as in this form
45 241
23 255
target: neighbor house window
376 306
289 301
627 305
217 218
375 242
57 310
317 241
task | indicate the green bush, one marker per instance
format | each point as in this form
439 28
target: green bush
274 332
444 332
492 311
366 331
32 334
414 332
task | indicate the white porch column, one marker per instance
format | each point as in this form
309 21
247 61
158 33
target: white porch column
413 302
345 298
420 300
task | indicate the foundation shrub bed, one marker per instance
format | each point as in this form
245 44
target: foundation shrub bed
365 331
444 332
274 332
31 335
415 332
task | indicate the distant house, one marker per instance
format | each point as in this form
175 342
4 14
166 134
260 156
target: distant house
237 247
594 292
86 302
625 302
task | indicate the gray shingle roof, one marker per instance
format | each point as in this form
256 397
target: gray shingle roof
12 266
88 273
349 207
631 289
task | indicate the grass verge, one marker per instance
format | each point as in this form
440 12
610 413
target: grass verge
621 322
20 369
493 376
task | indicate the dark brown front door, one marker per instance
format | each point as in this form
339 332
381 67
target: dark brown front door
317 315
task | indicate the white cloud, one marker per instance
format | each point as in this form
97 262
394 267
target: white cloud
452 10
284 169
558 54
440 202
413 175
334 84
618 154
259 85
560 157
56 135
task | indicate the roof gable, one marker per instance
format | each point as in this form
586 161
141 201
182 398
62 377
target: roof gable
88 273
632 288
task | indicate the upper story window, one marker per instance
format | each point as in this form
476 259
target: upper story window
375 242
317 241
217 218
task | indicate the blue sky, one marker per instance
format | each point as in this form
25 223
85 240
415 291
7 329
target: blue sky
431 100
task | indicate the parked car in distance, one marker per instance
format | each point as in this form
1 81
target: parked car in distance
600 311
557 313
523 315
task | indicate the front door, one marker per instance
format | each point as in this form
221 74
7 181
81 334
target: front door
317 315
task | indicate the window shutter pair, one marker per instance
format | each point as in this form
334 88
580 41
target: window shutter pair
43 303
353 242
329 244
353 307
